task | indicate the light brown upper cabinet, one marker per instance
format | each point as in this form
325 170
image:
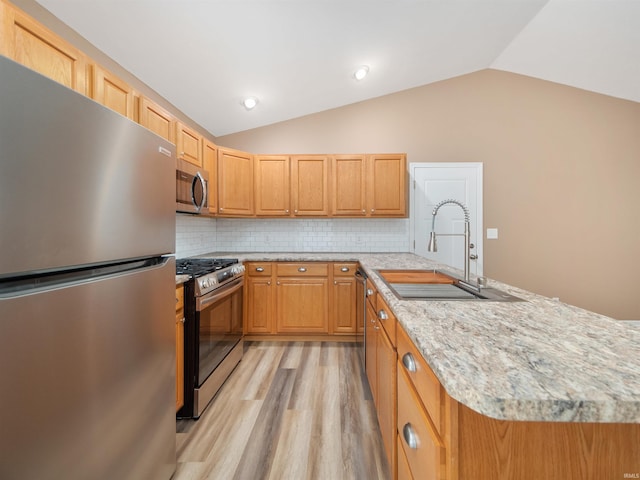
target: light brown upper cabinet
210 158
387 185
272 185
348 185
156 119
235 183
112 92
188 144
310 185
27 42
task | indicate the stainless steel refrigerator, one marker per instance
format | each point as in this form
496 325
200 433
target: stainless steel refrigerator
87 288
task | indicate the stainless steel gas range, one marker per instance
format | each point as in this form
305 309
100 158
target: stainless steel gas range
213 328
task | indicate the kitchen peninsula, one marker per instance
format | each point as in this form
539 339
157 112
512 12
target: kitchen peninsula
536 386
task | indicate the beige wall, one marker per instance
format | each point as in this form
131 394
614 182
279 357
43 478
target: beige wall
561 173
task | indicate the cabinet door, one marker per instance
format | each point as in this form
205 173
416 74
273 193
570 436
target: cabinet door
310 185
348 182
235 183
259 305
112 92
156 119
386 407
371 350
179 347
302 305
343 318
188 144
30 44
387 185
210 159
272 185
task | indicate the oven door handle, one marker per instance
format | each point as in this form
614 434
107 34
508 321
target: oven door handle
232 287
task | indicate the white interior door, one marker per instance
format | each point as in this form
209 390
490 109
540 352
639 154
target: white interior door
432 183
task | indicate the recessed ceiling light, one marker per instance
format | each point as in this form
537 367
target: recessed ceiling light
250 102
361 72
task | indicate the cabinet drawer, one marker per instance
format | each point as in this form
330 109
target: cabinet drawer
372 293
258 269
404 472
300 269
421 446
344 269
423 379
387 319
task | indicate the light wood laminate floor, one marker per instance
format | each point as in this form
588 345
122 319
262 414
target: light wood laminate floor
290 410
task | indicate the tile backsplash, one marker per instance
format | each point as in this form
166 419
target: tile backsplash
196 235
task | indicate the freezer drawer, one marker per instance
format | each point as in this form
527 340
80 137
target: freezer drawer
87 370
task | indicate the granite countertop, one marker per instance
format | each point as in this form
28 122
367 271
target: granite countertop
180 279
538 360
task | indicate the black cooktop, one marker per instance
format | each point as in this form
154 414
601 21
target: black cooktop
197 267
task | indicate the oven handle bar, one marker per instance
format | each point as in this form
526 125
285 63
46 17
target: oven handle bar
231 287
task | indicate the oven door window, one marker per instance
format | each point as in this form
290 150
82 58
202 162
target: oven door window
219 330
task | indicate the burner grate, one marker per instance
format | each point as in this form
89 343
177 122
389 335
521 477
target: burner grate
202 266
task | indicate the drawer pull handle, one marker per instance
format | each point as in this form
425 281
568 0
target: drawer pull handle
410 436
344 269
259 269
409 362
369 292
382 315
302 269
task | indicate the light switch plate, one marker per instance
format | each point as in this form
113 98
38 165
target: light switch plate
492 233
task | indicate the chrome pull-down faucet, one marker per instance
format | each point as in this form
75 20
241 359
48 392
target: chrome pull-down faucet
433 247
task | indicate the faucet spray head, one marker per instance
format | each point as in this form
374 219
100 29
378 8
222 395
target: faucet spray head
432 246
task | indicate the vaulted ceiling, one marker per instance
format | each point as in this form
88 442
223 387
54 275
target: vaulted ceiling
298 56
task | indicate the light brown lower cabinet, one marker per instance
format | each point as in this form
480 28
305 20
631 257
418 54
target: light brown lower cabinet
259 308
298 298
343 299
302 305
179 347
443 439
381 371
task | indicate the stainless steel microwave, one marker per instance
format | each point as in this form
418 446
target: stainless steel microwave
191 188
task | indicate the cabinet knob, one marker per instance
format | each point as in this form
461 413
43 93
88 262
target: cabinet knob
344 269
409 362
295 211
302 269
382 315
373 210
277 283
269 282
335 282
410 436
259 269
182 319
369 292
364 211
286 211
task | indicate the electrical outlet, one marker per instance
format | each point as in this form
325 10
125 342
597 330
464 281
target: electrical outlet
492 233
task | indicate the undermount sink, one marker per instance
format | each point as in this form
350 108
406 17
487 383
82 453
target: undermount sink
436 285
